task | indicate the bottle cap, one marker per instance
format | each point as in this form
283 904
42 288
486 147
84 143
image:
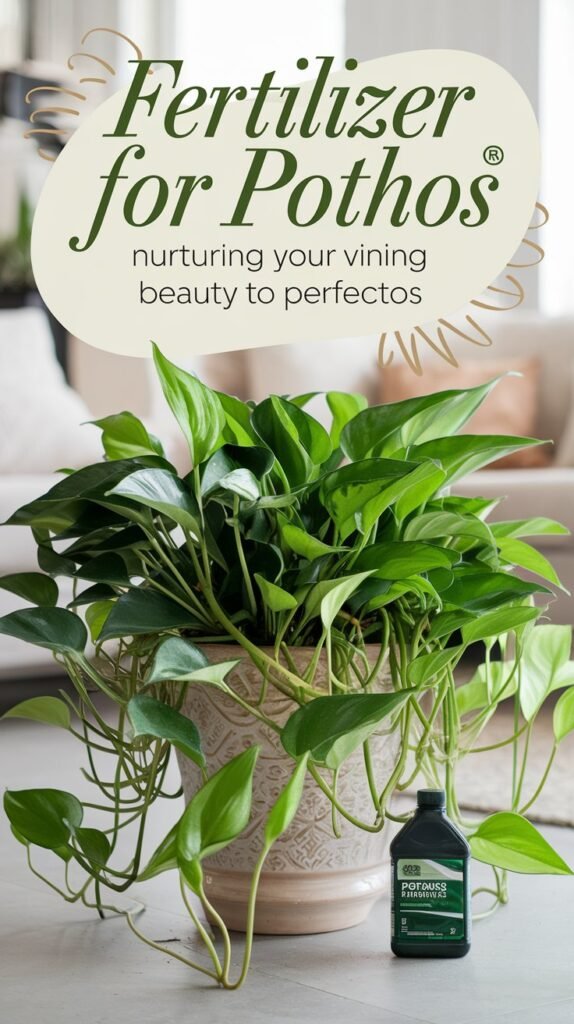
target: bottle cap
431 798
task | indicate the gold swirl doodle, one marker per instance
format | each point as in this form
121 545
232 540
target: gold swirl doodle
516 293
90 56
73 63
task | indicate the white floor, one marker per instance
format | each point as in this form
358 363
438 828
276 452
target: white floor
59 965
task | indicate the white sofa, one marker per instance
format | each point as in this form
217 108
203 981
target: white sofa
342 365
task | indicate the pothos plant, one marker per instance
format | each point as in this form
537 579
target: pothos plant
284 535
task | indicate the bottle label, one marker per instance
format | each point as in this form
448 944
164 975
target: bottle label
429 903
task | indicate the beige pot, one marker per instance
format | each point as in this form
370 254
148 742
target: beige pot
311 881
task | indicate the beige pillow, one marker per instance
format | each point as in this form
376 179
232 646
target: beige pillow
565 452
510 408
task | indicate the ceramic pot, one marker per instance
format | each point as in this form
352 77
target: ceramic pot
311 881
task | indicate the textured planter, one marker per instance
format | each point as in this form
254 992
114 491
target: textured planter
312 881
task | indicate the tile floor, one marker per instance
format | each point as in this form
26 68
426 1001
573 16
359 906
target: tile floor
61 966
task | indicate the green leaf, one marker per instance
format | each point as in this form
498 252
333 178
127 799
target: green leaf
538 526
125 437
343 588
406 494
54 628
179 660
151 717
239 481
432 525
510 842
475 695
143 611
94 844
50 710
483 591
384 429
299 442
344 407
218 812
419 486
108 568
276 599
524 555
99 592
285 807
44 817
174 659
418 585
65 502
162 491
447 623
237 427
563 718
197 409
466 453
494 624
96 616
164 857
427 666
31 586
303 543
398 560
545 653
347 492
330 728
257 459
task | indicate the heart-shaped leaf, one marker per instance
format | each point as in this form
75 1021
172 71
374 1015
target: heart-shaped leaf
493 624
526 557
144 611
94 844
45 817
162 491
54 628
427 666
50 710
125 437
563 718
305 544
174 659
344 407
151 717
544 656
217 814
196 408
179 660
34 587
285 807
276 599
330 728
509 841
164 857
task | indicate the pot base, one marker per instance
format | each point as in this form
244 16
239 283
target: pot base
297 903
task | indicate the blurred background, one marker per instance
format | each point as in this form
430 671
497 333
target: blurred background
51 383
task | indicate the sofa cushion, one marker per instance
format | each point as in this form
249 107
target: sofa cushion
40 415
527 493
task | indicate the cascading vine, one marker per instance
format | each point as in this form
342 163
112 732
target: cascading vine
282 536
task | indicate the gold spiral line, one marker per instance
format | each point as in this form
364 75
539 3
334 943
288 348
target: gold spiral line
53 88
92 79
35 114
439 343
113 32
91 56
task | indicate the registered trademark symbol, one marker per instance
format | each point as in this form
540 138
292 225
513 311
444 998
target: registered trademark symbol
493 154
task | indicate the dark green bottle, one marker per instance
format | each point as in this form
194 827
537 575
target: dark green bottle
430 898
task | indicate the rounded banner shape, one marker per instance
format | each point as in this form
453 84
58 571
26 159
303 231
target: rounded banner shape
370 199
